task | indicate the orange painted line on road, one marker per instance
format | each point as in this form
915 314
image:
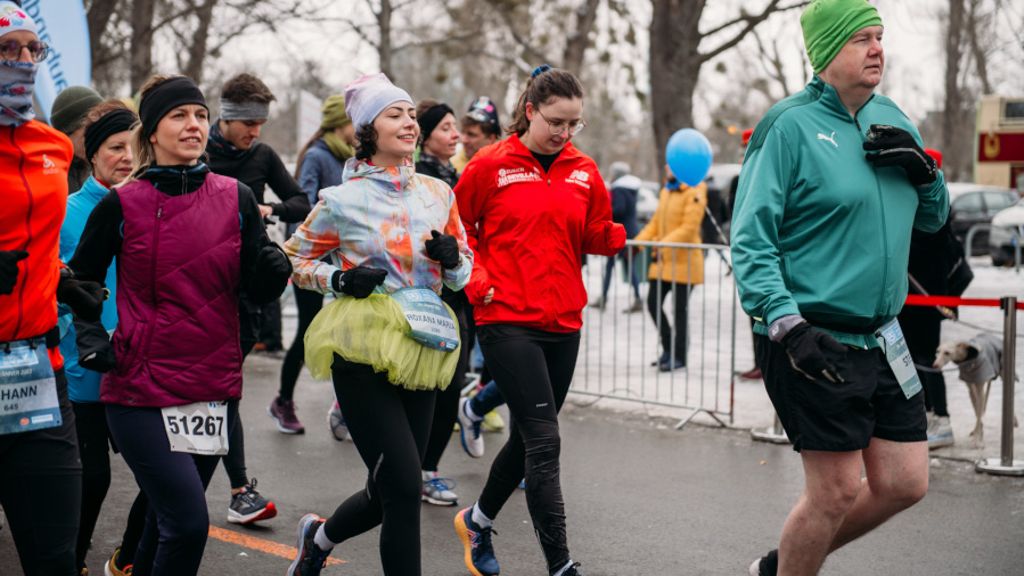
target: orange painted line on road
261 545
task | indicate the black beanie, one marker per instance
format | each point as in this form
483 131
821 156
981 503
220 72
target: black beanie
431 118
111 123
165 97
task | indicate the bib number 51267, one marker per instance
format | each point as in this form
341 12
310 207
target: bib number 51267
198 428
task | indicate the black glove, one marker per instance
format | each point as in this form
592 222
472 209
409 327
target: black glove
272 261
444 248
892 146
359 281
9 269
84 297
807 348
95 351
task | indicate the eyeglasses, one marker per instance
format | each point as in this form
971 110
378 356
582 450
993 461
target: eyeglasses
556 128
11 50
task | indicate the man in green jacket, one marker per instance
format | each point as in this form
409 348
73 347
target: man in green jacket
834 180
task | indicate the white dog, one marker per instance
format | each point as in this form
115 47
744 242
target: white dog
980 361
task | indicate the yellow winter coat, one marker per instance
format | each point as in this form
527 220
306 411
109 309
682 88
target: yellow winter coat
678 219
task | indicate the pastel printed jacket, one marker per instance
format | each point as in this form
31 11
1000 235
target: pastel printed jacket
379 217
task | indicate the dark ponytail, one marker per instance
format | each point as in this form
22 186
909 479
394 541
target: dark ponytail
545 83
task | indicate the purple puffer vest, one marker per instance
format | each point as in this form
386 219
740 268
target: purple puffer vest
178 277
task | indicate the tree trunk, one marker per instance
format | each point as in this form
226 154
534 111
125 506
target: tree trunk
384 47
142 42
579 38
200 40
951 137
99 15
675 62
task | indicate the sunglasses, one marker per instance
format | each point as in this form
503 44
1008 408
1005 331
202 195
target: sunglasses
11 50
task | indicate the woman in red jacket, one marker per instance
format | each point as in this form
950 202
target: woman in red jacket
532 206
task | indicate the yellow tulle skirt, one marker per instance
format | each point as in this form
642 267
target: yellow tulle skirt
374 331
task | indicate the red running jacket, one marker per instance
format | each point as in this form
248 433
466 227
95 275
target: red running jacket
34 161
529 231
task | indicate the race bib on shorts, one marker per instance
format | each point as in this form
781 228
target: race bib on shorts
28 389
198 428
890 338
430 323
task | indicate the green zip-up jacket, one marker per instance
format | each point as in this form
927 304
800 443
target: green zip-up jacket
818 231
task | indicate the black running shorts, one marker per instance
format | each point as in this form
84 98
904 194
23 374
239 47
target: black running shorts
844 416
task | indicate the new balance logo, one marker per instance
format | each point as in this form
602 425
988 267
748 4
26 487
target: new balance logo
831 138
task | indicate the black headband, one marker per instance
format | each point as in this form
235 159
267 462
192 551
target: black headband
111 123
432 117
165 97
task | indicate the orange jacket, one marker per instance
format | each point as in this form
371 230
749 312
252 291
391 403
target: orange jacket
34 162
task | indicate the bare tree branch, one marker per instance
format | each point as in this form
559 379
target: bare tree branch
529 52
751 20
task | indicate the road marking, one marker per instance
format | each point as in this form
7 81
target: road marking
261 544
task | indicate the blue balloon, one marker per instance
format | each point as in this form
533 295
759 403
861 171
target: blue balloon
688 155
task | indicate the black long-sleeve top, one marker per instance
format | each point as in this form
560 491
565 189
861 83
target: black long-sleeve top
101 240
258 167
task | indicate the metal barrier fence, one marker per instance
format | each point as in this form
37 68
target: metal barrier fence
621 338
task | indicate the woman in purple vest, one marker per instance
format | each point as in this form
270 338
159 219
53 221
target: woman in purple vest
186 242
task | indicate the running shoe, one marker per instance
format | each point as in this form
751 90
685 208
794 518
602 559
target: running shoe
670 365
573 570
283 413
767 565
249 506
493 422
940 432
336 422
310 559
752 374
110 568
476 541
438 491
469 431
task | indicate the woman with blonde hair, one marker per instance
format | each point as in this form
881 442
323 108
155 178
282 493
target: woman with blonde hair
186 241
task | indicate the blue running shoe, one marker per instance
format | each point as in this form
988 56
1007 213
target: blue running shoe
469 431
311 559
476 541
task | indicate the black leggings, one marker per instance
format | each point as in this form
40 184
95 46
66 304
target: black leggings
175 483
446 408
656 294
41 490
93 446
234 461
389 426
309 304
533 369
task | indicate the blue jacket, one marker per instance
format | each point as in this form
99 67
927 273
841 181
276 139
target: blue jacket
624 192
320 169
83 385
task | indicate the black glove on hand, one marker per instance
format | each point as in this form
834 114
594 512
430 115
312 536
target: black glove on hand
95 352
359 281
84 297
9 269
892 146
806 348
444 248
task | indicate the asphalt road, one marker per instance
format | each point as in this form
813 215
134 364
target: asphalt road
641 499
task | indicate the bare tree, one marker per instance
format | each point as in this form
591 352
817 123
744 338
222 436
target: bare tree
141 59
676 57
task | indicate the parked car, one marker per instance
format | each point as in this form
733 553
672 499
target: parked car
971 204
1007 229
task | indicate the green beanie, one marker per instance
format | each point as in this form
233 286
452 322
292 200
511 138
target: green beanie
333 113
829 24
71 106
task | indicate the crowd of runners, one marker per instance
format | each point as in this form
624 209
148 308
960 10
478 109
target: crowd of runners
136 271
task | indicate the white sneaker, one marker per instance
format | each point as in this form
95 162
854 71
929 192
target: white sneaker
336 422
469 431
438 491
940 434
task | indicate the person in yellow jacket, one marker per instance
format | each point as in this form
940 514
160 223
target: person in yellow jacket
674 270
